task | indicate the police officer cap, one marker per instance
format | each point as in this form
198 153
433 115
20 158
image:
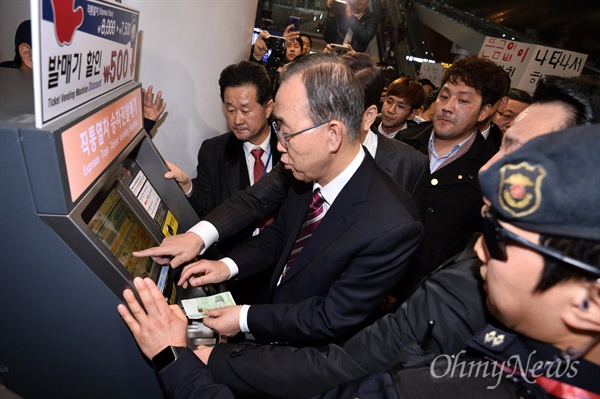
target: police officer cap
551 185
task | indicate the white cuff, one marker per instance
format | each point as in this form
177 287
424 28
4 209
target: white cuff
233 268
188 193
244 319
207 232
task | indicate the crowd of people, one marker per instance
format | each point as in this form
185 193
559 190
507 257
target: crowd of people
437 240
458 259
520 295
383 238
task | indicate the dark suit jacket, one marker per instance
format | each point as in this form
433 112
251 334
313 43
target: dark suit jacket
449 202
452 297
221 172
356 255
494 139
402 162
409 125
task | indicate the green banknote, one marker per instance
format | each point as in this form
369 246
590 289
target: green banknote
194 308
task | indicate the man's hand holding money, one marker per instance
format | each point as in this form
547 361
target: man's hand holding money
225 321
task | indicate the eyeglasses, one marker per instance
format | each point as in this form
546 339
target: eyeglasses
284 138
495 237
507 117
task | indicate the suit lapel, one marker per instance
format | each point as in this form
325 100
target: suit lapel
340 216
236 170
384 154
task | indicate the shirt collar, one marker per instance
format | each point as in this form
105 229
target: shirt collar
486 132
454 149
370 143
334 187
390 136
265 145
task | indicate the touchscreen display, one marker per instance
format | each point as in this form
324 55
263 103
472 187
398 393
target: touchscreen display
122 233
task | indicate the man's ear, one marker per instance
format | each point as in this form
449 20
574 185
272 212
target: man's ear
584 311
269 108
412 114
336 130
369 117
26 57
502 103
484 113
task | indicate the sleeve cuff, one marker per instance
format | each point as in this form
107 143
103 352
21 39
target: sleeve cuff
188 193
233 269
244 319
207 231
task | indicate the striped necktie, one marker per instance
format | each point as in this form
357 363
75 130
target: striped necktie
313 218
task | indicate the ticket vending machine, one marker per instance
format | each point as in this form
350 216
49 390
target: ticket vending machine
68 230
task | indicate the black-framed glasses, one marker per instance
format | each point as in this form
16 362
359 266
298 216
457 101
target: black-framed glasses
495 237
284 138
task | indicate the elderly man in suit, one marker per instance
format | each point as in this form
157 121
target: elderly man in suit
399 160
327 286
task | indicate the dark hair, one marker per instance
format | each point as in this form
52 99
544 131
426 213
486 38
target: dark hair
247 73
309 38
300 42
357 61
430 98
408 89
581 93
427 82
373 83
389 72
519 95
489 80
22 35
332 89
556 271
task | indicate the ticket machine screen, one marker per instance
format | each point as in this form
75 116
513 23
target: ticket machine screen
121 232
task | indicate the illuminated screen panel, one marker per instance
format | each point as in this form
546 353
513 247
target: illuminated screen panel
122 233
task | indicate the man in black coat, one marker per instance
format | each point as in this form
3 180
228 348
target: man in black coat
449 199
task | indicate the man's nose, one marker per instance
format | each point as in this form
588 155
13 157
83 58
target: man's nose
280 147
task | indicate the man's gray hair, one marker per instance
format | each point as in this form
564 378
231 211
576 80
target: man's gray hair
332 89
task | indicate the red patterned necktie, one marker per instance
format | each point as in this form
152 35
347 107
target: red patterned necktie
259 165
313 218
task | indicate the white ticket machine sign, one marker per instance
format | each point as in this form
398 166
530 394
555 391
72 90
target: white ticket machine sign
81 50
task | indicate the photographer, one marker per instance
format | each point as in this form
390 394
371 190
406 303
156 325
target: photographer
351 23
283 50
261 45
